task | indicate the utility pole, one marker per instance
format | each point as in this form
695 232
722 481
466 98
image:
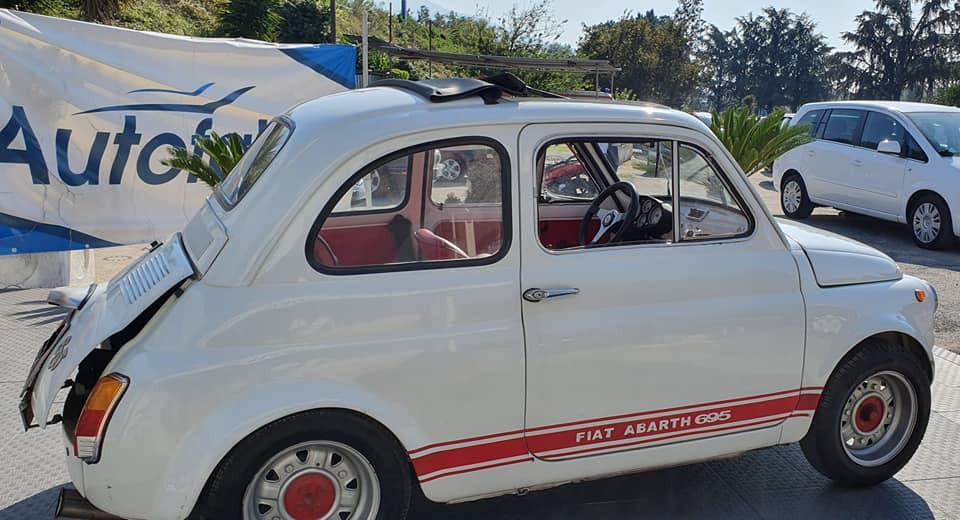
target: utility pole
333 21
390 25
430 47
366 66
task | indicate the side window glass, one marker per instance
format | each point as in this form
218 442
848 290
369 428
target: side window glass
878 128
564 178
708 209
384 188
913 149
812 119
842 126
433 206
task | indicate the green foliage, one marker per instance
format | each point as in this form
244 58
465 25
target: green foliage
103 11
949 96
756 142
902 48
777 56
399 74
654 53
182 17
61 8
304 21
255 19
223 152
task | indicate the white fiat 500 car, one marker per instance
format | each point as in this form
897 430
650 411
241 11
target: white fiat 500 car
300 351
891 160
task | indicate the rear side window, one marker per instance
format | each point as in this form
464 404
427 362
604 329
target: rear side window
842 126
253 163
812 119
878 128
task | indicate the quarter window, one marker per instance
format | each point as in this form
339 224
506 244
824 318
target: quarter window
429 207
812 119
708 209
913 149
878 128
253 163
842 126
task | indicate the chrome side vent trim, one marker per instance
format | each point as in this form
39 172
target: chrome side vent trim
143 277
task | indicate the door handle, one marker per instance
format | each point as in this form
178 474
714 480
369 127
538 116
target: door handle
857 162
538 295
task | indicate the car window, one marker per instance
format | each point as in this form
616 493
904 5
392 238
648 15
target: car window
708 208
913 149
433 206
811 118
842 126
254 162
564 178
878 128
941 129
384 188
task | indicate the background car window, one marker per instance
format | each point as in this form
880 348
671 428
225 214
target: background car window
465 175
708 209
564 177
811 118
878 128
913 149
942 130
383 188
842 126
384 217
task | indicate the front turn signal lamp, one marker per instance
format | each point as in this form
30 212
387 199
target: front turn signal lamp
96 413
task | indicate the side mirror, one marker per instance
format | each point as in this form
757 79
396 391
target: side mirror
888 146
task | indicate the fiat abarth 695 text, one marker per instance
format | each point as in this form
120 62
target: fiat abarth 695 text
346 327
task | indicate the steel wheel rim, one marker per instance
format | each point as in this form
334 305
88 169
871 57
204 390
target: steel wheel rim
450 169
870 440
926 222
374 181
356 488
791 196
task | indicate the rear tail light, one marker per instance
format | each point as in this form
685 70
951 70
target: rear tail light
96 414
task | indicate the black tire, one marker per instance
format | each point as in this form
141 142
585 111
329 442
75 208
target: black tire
823 446
944 237
222 497
805 207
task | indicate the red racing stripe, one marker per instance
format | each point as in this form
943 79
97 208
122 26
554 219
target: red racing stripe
480 453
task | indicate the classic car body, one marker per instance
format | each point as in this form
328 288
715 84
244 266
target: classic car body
712 334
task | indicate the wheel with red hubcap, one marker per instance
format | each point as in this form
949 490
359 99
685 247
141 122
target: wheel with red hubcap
871 416
317 465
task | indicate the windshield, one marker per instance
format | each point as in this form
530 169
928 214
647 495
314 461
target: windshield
253 163
942 129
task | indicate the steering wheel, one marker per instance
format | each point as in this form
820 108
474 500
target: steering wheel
610 218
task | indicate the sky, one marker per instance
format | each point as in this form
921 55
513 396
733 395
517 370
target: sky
833 17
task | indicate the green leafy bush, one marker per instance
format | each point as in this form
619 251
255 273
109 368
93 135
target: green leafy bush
224 153
756 142
304 21
255 19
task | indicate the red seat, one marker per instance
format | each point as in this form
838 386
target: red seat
434 247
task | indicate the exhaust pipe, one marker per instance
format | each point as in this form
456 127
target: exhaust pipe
71 504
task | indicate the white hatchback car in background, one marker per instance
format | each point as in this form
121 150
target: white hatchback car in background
305 350
891 160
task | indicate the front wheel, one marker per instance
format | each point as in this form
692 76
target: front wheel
931 223
313 465
871 416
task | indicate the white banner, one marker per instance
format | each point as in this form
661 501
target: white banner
87 113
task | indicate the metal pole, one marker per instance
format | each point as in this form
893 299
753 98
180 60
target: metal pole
596 84
390 37
333 21
430 48
366 72
613 92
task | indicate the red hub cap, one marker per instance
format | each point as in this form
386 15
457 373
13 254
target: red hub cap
309 497
869 414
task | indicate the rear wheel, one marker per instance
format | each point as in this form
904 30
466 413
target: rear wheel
314 465
931 223
871 416
793 198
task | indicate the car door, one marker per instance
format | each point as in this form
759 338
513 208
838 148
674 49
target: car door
686 335
880 174
836 174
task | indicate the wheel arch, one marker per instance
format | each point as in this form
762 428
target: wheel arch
920 193
901 339
789 172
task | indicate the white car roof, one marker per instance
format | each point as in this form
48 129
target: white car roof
378 111
895 106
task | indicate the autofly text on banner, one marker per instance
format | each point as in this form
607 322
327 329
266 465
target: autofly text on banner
87 113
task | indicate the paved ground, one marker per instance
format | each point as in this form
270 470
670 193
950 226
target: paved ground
772 483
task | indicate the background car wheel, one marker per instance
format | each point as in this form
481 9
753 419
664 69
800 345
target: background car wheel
320 464
871 416
931 224
451 168
793 198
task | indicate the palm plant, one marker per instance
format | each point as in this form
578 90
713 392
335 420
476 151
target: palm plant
756 142
224 153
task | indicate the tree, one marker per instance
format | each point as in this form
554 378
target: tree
103 11
654 53
304 21
900 51
777 56
756 142
256 19
224 153
529 31
949 96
